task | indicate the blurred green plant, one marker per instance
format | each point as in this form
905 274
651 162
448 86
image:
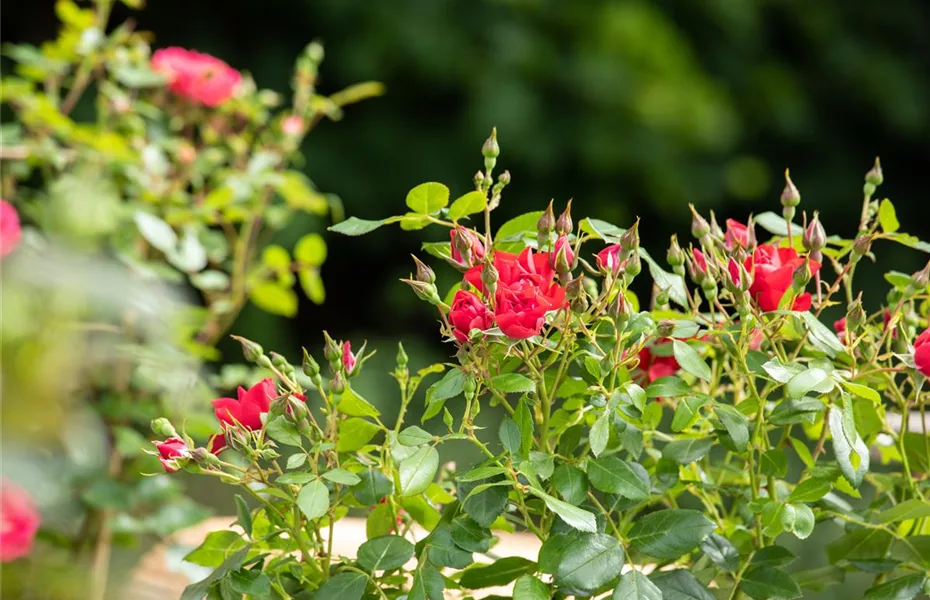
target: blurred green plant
140 180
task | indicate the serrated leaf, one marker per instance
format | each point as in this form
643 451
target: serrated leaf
243 515
763 581
669 386
736 424
687 412
469 204
428 198
313 500
611 475
385 553
344 586
887 217
599 434
216 548
414 436
571 483
851 452
578 518
469 535
902 588
589 561
355 433
281 430
636 586
669 533
354 226
905 511
499 573
416 472
690 361
428 584
721 552
810 490
509 435
687 451
513 383
342 476
680 584
374 486
529 587
353 405
863 391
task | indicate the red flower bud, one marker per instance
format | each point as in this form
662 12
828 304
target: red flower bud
173 453
608 259
348 359
563 257
467 247
922 353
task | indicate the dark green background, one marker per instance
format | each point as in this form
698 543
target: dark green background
633 108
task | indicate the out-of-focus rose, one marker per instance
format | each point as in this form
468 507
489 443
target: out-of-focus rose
198 77
171 451
922 353
468 312
292 125
654 366
248 409
772 275
10 232
19 521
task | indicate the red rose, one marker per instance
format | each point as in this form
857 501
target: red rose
19 521
922 353
170 450
520 309
608 259
655 367
512 268
737 234
216 443
468 312
772 274
195 76
460 236
348 359
700 262
10 233
249 408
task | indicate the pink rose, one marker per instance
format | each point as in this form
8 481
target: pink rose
348 359
608 259
198 77
170 451
19 521
248 409
10 233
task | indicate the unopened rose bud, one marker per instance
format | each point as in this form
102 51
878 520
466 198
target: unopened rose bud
790 196
855 316
424 291
250 350
814 238
874 175
310 367
617 309
490 277
337 384
479 180
490 150
715 231
697 266
467 247
921 279
268 454
632 266
544 226
580 304
665 328
699 225
740 279
332 351
751 234
590 287
402 359
563 224
424 273
504 178
662 298
205 458
709 287
575 288
563 259
629 239
277 360
162 427
861 247
469 385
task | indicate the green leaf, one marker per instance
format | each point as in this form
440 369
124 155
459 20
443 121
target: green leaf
427 585
589 561
905 511
687 412
354 405
575 517
863 391
525 421
216 548
282 430
690 360
485 506
313 500
688 450
902 588
448 387
342 476
860 545
197 591
636 586
355 226
443 552
673 284
295 478
680 584
775 556
736 423
481 473
254 584
887 217
499 573
764 581
529 587
513 383
509 435
344 586
571 483
811 379
802 520
243 515
427 198
821 336
525 223
355 433
273 298
810 490
669 533
310 250
414 436
602 229
414 222
721 552
380 521
385 553
600 434
819 578
299 194
669 386
851 452
312 284
611 475
469 535
469 204
156 232
138 76
416 472
374 486
774 463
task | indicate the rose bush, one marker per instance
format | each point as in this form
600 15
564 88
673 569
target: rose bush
769 426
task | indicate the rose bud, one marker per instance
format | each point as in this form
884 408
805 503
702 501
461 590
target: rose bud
575 288
698 266
424 273
855 316
580 304
491 149
163 427
348 359
618 310
563 224
814 238
173 453
337 384
715 231
739 276
490 277
479 180
874 175
920 280
629 240
250 350
665 328
633 265
563 257
675 255
699 225
861 247
544 226
424 291
790 196
709 287
467 247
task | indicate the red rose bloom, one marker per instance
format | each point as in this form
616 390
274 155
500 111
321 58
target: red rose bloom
199 77
170 450
655 367
249 408
10 233
468 312
608 259
348 359
922 353
19 522
737 234
472 240
772 274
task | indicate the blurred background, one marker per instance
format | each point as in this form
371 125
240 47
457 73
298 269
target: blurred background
632 108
